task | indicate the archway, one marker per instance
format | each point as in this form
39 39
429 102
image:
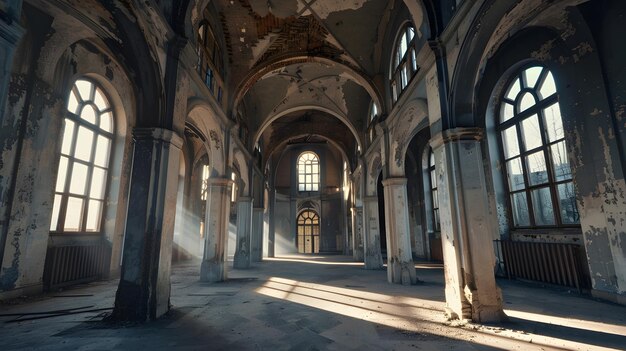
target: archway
308 233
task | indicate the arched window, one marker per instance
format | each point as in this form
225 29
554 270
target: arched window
530 129
433 191
80 189
308 172
204 186
210 62
373 111
404 62
308 232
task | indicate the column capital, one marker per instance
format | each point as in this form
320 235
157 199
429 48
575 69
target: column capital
456 134
161 134
394 181
215 182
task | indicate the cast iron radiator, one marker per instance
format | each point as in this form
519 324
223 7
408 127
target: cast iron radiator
68 265
552 263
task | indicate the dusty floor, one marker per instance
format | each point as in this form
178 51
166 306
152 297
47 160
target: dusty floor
312 303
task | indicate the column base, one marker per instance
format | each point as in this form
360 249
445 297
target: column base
241 261
212 272
401 272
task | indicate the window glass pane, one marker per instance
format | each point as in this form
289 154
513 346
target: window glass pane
527 101
88 114
531 133
79 179
84 89
437 220
542 206
315 187
553 122
301 187
431 159
509 142
94 215
435 199
301 179
102 151
74 214
411 33
316 178
537 170
560 162
567 203
98 183
72 103
100 100
315 169
68 136
403 46
507 112
514 89
106 122
548 88
433 179
413 60
62 174
515 174
84 142
519 208
531 76
55 212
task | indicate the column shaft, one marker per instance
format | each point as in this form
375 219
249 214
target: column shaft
467 226
400 266
371 240
257 234
213 267
144 287
243 254
357 233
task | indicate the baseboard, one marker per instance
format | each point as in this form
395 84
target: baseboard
30 290
609 296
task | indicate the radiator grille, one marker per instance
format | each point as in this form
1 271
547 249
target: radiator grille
552 263
69 265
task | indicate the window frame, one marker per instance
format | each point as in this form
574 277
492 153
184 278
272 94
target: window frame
72 160
210 64
314 187
516 120
433 187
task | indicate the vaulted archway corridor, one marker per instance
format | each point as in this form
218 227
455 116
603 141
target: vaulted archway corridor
305 302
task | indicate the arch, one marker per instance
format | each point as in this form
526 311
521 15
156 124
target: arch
277 116
260 72
240 160
201 117
409 122
374 168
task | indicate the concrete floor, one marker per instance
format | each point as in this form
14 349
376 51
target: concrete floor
313 303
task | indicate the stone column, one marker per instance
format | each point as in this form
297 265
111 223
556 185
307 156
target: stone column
10 35
243 252
144 287
400 266
467 226
357 233
371 240
257 234
272 225
213 267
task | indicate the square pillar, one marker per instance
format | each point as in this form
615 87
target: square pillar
357 233
467 226
271 237
243 252
144 287
371 240
257 234
213 267
400 266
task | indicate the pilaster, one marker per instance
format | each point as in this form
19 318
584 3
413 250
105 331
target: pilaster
257 234
357 233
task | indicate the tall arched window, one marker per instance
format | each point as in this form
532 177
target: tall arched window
308 172
210 62
308 232
80 189
404 62
539 178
